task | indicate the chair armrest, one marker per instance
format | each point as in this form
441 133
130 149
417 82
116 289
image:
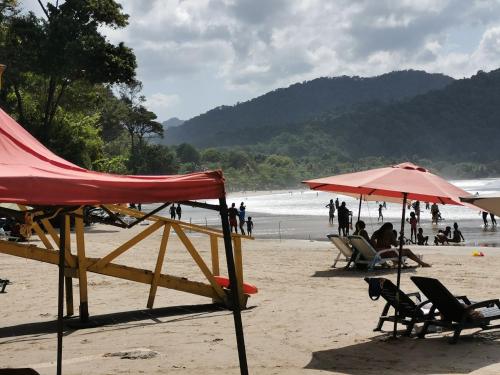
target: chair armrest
486 303
464 299
386 251
415 294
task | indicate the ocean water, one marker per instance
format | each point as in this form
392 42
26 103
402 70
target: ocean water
301 214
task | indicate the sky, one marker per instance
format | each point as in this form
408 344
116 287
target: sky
194 55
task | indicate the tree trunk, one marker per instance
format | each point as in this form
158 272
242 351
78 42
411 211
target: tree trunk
47 123
20 106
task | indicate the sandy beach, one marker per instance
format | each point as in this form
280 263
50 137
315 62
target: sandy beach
306 319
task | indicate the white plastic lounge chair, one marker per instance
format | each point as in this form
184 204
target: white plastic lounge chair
371 256
343 247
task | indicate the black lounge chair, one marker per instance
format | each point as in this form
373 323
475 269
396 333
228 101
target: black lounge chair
456 313
410 311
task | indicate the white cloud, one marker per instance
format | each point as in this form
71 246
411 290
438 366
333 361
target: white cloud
162 104
247 47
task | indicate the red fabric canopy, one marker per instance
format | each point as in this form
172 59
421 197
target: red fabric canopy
30 174
393 182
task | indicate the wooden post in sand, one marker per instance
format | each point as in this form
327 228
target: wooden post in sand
68 281
82 267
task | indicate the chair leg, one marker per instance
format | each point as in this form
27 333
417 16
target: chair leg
456 335
336 259
423 331
409 328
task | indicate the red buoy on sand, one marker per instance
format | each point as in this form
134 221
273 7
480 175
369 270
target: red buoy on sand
247 288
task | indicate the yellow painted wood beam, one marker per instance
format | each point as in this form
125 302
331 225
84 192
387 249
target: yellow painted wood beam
82 264
198 260
127 245
159 264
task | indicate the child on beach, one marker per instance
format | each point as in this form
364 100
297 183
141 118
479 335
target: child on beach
249 226
413 226
440 238
380 216
457 234
421 239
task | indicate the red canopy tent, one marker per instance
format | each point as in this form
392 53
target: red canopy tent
30 174
399 182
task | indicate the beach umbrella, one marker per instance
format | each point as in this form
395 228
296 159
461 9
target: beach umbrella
487 202
402 182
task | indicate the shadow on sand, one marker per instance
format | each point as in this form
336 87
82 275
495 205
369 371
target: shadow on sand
37 330
384 355
342 272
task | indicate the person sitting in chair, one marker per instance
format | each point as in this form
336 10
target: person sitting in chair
384 238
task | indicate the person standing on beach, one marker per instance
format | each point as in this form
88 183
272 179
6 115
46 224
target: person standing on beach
485 218
343 218
416 207
413 227
242 218
178 211
493 220
233 214
249 226
427 206
337 204
172 211
435 213
331 213
380 215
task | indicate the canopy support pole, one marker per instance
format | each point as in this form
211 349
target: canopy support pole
359 208
60 297
400 257
233 284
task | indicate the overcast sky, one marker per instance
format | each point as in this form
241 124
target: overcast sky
194 55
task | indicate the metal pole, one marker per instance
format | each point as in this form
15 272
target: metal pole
60 297
400 256
359 209
233 284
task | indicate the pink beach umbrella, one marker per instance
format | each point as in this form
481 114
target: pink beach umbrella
402 182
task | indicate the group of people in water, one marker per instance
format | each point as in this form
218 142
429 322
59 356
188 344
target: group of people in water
236 215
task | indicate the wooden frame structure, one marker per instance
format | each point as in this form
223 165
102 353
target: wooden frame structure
57 249
78 264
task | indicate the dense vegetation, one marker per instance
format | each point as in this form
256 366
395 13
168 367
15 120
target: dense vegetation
77 93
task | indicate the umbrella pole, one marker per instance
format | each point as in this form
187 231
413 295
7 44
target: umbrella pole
60 297
359 209
400 257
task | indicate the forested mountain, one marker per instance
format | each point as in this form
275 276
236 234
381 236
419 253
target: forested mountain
458 123
230 125
172 123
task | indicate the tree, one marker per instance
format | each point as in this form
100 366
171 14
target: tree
188 154
64 48
138 121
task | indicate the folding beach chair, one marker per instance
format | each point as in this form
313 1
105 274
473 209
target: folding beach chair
410 311
343 247
456 313
369 255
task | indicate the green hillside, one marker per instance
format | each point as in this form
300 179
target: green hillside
230 125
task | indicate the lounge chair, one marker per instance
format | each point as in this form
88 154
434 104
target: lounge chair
456 313
343 247
410 311
369 255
